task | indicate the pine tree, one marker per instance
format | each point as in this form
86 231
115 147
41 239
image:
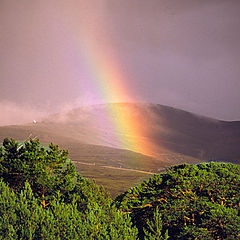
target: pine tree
42 197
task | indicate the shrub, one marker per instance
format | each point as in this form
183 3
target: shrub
195 201
42 197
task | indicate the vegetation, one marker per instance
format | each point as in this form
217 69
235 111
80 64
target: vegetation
43 197
115 181
194 202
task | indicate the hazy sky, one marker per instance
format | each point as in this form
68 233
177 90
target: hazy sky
182 53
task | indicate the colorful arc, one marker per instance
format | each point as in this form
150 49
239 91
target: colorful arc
111 86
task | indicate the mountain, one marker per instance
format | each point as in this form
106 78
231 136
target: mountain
91 134
170 132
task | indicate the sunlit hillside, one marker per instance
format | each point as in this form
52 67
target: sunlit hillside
159 136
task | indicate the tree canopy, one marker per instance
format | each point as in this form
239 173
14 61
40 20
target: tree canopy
46 169
42 197
194 201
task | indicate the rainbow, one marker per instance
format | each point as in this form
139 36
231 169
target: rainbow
110 85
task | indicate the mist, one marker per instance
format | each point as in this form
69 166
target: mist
14 114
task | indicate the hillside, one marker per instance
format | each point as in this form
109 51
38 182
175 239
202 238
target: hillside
172 133
174 136
166 129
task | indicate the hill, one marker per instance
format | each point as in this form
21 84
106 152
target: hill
91 134
165 129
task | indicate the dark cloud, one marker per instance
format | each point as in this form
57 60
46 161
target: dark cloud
183 53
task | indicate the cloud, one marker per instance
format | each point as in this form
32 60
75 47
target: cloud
13 114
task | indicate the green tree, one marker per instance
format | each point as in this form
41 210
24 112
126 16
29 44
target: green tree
47 170
42 197
22 217
195 202
154 228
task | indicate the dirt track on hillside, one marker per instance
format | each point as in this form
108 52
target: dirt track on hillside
117 168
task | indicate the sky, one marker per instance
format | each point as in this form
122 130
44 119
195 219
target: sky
57 54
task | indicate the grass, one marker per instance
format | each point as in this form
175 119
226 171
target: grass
114 180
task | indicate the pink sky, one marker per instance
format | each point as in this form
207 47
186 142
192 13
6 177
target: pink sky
182 53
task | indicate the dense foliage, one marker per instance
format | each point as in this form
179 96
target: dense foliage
193 201
42 197
47 170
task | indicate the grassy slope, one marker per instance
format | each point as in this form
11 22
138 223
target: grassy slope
178 136
169 131
114 180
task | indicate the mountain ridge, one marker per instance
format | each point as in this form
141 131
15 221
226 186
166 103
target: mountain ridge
168 130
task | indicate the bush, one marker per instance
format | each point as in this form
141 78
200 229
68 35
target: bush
42 197
47 170
195 201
